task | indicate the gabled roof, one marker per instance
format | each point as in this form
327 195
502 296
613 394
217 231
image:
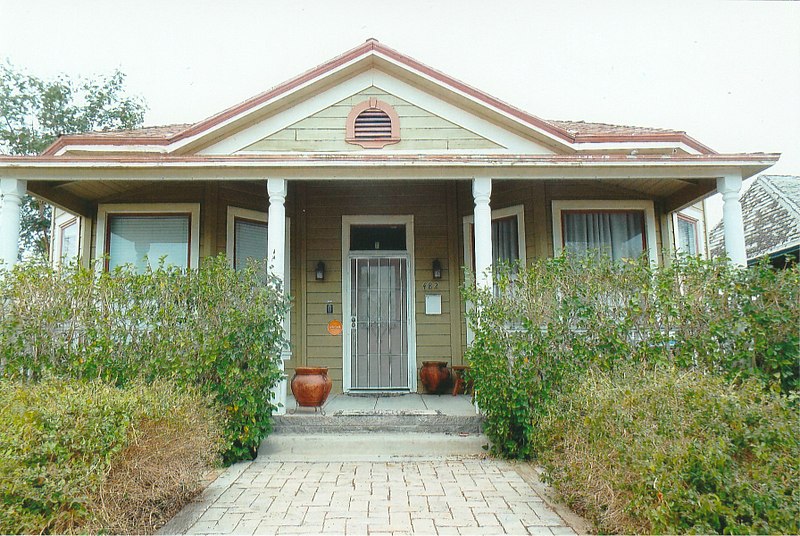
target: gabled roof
572 136
771 212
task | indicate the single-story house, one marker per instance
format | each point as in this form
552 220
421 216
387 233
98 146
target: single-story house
369 182
771 211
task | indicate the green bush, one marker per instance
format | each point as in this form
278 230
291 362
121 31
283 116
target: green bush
60 439
557 316
214 328
668 451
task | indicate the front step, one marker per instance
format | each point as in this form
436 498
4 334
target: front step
354 421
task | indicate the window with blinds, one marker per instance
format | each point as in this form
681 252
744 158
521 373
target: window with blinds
249 242
687 235
142 240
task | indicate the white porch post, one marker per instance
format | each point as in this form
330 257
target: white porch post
11 193
733 223
481 194
276 262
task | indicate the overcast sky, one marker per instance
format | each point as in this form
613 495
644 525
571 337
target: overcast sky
727 73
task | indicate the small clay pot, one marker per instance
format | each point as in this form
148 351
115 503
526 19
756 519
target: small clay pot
311 386
435 376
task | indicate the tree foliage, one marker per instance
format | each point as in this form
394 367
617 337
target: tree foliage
34 112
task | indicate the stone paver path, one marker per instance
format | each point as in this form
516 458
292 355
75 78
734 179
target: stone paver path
444 495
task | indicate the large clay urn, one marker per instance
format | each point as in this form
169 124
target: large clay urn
435 376
311 386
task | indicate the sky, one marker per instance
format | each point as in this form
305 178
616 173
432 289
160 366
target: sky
728 73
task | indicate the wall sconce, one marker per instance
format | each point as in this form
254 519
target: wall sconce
437 269
320 271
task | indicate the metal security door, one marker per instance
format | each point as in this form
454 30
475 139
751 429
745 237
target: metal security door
379 322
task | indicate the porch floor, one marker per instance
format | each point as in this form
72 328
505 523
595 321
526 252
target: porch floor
387 404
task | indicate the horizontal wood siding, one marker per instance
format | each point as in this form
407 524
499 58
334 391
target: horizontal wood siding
419 129
326 203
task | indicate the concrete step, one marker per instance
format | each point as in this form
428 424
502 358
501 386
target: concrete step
396 421
369 447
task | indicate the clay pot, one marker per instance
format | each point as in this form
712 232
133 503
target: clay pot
311 386
435 376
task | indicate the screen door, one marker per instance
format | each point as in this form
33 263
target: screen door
379 322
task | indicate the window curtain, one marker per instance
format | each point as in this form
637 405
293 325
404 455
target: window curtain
250 242
617 234
145 240
505 241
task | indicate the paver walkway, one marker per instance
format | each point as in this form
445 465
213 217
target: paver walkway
284 493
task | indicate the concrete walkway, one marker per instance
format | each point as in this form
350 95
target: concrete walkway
375 484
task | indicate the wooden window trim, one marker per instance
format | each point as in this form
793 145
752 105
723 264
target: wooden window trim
377 143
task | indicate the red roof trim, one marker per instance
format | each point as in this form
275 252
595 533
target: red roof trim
338 61
508 159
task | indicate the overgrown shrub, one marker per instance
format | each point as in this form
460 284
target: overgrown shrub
668 451
561 315
66 444
214 328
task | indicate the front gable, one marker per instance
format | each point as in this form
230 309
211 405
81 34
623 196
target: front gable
324 131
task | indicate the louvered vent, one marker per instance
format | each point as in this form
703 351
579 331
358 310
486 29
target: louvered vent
373 124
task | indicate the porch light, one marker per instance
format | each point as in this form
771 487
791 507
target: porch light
320 271
437 269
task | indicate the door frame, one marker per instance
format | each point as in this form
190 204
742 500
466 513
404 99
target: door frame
347 222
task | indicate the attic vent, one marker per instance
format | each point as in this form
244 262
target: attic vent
372 124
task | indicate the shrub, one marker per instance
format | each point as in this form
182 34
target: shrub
562 315
66 445
661 450
215 328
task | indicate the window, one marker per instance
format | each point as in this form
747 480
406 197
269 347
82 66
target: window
686 229
508 237
143 235
68 242
372 124
620 229
247 239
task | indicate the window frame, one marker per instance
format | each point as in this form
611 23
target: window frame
698 216
610 205
497 214
105 211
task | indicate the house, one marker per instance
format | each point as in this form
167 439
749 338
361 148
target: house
369 182
771 212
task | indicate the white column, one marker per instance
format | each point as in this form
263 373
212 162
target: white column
482 193
11 193
733 223
276 253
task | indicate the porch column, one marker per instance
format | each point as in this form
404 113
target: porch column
11 193
481 194
730 186
276 262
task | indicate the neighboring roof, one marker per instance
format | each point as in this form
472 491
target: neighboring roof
567 133
771 213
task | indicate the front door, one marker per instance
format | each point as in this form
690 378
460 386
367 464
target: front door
379 316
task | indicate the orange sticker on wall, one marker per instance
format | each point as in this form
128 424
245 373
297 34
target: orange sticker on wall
335 327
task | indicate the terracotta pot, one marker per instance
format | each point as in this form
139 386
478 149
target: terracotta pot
435 376
311 386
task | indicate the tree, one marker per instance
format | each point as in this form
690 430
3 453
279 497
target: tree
34 112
